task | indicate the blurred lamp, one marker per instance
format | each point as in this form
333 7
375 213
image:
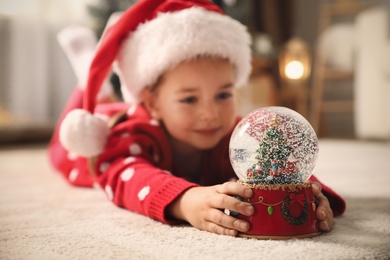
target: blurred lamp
295 62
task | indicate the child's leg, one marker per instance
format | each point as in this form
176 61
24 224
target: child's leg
79 45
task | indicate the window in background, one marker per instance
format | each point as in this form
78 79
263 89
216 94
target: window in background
35 76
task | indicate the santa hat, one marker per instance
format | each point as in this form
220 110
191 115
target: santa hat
148 39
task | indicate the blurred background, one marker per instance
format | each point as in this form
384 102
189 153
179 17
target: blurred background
328 60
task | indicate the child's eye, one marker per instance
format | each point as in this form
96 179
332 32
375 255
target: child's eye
189 100
224 95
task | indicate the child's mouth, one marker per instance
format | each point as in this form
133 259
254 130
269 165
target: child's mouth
208 131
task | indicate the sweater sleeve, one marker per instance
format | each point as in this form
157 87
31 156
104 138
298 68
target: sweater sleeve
137 185
135 169
337 203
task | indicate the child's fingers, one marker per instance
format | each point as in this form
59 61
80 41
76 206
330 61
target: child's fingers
224 222
316 188
323 210
326 225
235 188
222 201
220 230
324 213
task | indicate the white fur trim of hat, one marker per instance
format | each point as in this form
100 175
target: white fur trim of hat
171 38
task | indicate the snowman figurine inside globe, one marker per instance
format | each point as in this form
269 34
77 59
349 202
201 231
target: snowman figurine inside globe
274 150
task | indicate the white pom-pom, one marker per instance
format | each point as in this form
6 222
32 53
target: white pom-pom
83 133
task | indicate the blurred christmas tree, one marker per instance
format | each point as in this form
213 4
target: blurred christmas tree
101 10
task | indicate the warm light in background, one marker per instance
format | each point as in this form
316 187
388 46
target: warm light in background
295 62
294 70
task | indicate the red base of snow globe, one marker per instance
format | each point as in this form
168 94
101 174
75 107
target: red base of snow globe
281 212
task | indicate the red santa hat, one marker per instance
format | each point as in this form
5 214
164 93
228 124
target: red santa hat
148 39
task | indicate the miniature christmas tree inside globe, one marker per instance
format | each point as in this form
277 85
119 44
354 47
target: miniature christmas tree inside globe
273 145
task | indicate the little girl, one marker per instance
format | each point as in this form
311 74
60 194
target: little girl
164 151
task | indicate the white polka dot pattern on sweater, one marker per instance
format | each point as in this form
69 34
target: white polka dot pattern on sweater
135 149
127 174
143 193
125 135
129 160
97 186
73 175
109 192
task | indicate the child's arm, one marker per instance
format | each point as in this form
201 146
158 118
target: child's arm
200 206
135 184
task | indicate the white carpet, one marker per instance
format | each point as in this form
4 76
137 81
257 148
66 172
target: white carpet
42 217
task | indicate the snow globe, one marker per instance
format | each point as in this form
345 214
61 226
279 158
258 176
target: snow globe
273 150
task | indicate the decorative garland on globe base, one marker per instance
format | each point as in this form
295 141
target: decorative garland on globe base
273 150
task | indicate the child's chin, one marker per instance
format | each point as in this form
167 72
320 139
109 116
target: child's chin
207 145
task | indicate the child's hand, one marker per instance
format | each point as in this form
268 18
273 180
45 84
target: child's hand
203 208
324 212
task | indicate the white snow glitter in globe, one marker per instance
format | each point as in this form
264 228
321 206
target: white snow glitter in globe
273 145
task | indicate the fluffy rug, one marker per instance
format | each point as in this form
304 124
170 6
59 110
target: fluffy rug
42 217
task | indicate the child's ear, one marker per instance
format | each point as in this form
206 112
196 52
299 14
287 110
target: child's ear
149 101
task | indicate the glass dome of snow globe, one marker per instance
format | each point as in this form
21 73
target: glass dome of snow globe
275 146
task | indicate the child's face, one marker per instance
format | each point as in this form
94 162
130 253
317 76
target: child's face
195 102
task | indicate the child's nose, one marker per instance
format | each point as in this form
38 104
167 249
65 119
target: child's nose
209 112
